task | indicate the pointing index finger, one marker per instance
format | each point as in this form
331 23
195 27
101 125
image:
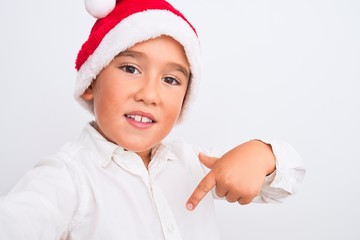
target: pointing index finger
205 186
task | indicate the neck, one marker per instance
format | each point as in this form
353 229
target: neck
146 157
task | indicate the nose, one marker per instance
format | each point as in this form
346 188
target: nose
148 91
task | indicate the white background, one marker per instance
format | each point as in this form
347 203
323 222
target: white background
287 70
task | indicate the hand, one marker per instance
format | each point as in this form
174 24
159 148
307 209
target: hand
238 175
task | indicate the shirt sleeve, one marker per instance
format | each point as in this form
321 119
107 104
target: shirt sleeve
41 205
286 179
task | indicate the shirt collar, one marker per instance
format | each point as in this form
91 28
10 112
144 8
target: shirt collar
100 144
107 149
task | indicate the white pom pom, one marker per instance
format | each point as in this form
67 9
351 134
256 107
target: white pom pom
99 8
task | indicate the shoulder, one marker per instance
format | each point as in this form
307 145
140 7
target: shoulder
180 147
68 158
69 152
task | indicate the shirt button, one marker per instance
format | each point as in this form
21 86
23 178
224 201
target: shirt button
170 227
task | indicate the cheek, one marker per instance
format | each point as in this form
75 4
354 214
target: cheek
105 104
175 105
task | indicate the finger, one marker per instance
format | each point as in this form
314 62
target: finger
232 197
220 190
205 186
247 196
244 200
209 162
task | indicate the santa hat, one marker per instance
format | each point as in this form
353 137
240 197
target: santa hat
123 23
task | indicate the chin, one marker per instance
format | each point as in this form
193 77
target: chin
138 148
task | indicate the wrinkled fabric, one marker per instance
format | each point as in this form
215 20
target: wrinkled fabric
93 189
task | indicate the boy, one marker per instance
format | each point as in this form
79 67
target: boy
137 73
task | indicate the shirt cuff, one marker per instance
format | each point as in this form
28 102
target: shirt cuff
287 177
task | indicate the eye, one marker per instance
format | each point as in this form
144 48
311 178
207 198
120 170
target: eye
171 81
130 69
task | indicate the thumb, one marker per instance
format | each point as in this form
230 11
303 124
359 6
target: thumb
209 162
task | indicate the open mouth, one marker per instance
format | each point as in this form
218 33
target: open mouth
140 119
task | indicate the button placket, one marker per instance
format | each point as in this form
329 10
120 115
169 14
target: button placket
167 219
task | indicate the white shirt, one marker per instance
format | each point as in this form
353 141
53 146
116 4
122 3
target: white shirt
93 189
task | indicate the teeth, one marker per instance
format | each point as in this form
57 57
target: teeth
146 120
140 118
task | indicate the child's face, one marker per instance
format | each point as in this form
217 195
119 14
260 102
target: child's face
138 97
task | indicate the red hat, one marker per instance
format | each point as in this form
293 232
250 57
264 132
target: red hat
123 23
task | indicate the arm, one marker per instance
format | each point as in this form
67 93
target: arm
40 205
245 174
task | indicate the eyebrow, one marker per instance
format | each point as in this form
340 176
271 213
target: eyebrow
134 54
181 69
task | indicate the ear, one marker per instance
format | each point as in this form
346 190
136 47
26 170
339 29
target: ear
88 94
